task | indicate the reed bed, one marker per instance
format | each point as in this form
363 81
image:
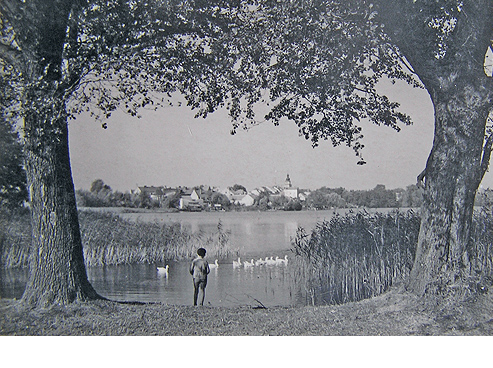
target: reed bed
481 246
15 238
356 255
360 255
107 239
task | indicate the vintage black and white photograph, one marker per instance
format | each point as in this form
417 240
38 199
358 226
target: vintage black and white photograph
246 168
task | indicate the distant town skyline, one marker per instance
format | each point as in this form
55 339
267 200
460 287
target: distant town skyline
170 147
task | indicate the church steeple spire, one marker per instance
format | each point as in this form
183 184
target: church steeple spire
287 183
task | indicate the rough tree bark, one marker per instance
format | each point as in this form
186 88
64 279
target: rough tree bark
452 176
57 271
461 93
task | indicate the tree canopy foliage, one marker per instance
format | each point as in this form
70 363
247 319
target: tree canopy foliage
316 63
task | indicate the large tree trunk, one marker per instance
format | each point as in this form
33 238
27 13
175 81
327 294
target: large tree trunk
453 174
57 271
450 63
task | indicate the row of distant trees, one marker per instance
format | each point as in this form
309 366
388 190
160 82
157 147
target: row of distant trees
101 195
378 197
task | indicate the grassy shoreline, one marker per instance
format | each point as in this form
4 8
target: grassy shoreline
395 313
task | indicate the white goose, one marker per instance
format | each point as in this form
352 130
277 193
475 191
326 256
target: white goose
259 262
214 265
285 260
163 271
247 264
270 261
237 263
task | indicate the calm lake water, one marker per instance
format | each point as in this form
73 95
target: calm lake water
256 234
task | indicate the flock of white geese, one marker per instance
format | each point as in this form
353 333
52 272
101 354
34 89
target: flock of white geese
267 261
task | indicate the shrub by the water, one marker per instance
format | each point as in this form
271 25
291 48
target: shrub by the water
108 239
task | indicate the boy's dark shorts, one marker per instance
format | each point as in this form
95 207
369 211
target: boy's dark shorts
200 283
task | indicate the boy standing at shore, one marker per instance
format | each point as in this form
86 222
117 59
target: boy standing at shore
199 269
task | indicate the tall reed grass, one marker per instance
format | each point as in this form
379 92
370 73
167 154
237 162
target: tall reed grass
15 238
360 255
356 255
107 239
481 246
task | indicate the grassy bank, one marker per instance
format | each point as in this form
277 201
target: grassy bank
395 313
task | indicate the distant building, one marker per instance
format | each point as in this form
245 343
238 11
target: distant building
302 196
191 200
243 200
255 192
287 183
155 193
227 192
288 190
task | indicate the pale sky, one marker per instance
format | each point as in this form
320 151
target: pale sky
171 148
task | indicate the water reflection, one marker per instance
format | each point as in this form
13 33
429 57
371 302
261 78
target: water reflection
251 232
266 285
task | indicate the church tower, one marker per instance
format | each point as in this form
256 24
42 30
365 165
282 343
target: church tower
288 190
287 183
